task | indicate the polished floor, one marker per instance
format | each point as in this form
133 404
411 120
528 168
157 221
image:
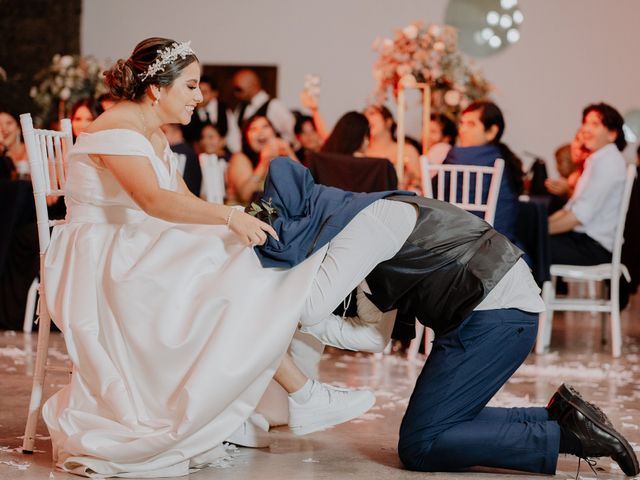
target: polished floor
365 448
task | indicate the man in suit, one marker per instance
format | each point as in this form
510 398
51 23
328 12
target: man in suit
213 110
255 101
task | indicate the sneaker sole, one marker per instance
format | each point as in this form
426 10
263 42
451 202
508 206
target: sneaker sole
356 411
573 397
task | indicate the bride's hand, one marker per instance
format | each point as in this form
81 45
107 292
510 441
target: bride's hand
252 232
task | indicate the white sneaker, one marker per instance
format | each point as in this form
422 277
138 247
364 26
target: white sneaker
254 433
328 406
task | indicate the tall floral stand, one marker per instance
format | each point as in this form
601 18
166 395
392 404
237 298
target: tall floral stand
409 82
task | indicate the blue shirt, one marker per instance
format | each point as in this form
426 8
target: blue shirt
507 207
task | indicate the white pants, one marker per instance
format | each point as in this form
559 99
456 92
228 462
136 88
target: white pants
373 236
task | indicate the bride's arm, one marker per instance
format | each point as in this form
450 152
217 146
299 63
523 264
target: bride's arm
138 179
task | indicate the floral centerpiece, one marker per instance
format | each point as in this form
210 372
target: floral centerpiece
428 54
68 79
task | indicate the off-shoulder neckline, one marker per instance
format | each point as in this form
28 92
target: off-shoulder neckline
166 145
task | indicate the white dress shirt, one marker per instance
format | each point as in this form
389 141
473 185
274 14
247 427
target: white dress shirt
232 138
598 195
277 113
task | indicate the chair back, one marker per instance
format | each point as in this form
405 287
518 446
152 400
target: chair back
47 152
353 174
213 173
448 177
622 217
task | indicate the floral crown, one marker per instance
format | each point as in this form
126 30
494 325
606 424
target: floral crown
165 57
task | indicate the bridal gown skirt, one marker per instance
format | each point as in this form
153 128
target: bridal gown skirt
174 331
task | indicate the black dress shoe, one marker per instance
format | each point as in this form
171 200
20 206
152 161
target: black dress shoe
567 397
599 438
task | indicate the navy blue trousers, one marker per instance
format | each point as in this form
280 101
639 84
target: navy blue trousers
448 427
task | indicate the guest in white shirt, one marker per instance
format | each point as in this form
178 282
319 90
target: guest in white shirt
214 111
256 102
582 233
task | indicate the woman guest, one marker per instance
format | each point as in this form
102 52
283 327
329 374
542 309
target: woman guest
248 169
12 143
350 135
479 143
83 112
442 137
382 143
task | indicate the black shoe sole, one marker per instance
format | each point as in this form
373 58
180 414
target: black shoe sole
568 393
571 396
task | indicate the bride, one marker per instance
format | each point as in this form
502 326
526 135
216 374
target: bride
174 328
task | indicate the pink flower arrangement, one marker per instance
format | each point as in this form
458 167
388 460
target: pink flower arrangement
428 54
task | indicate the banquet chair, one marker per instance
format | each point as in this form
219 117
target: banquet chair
590 274
47 152
447 178
213 172
351 173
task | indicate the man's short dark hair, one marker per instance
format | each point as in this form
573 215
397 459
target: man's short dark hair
611 119
209 81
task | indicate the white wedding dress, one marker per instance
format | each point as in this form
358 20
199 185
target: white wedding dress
174 330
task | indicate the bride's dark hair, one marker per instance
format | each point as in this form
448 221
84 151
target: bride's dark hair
124 78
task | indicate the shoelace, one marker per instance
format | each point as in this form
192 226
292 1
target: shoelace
590 461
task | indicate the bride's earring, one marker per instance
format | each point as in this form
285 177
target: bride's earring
156 100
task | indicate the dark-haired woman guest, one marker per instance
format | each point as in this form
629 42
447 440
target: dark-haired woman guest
350 135
382 143
442 137
248 168
83 112
479 143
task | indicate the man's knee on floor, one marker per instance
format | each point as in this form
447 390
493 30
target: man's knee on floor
414 455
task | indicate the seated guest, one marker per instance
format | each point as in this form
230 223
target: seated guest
382 143
307 135
188 160
212 110
442 137
254 101
12 143
212 142
570 160
582 233
106 101
83 112
350 136
479 132
248 168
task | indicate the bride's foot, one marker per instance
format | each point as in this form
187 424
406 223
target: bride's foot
254 433
326 406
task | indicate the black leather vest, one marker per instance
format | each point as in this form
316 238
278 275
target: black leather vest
447 266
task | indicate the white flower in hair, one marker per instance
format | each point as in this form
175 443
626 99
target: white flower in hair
167 56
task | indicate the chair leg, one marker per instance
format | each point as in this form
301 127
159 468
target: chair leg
32 298
38 379
414 346
545 319
616 331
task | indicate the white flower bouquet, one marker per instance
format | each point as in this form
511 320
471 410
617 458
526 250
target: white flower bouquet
428 54
68 79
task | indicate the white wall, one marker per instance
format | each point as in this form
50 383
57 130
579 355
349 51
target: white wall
571 53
